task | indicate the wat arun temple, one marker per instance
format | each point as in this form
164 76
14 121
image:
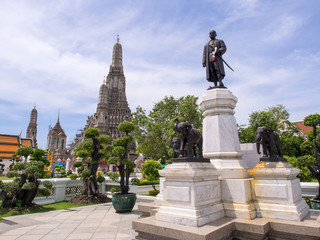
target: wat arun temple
112 108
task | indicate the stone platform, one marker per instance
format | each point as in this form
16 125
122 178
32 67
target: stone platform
231 229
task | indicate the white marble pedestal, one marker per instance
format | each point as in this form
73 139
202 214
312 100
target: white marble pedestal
277 191
221 145
192 194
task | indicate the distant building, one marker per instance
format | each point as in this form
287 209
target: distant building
112 107
302 128
56 142
32 127
9 144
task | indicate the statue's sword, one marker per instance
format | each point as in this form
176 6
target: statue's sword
225 62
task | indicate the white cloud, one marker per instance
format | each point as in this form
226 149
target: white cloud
285 27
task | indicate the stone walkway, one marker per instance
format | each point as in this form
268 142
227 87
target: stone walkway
90 222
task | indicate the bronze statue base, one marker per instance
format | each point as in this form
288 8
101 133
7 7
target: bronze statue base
214 87
273 159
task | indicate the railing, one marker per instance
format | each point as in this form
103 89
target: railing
65 188
309 189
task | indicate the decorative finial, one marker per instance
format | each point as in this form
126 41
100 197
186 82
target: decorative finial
118 39
104 79
58 116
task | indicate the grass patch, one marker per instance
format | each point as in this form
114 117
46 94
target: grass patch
5 178
148 195
39 209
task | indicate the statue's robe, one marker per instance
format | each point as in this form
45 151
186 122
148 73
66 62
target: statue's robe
208 48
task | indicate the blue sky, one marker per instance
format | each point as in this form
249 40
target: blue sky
55 54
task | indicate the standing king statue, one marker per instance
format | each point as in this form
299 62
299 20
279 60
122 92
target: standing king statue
212 59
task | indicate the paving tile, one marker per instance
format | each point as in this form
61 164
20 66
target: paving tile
106 229
47 225
30 237
39 231
10 237
62 231
89 224
104 236
60 236
84 230
79 236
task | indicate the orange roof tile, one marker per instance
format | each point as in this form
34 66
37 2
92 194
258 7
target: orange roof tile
9 138
26 142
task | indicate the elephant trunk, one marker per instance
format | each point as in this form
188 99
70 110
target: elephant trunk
258 142
258 147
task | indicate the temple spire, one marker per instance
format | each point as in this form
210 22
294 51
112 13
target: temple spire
32 127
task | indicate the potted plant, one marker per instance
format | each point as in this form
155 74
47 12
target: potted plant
123 201
313 120
93 150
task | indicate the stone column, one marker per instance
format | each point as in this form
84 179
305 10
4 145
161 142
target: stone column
277 191
111 168
191 193
68 164
221 145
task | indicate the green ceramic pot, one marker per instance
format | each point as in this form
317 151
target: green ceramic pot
315 204
123 202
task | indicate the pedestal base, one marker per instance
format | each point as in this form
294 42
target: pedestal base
236 198
277 191
227 229
192 194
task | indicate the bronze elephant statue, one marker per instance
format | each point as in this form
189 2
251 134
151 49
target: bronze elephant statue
190 139
270 142
175 145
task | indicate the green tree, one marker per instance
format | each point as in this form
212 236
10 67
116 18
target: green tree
302 163
150 169
25 186
24 152
290 144
154 132
246 135
120 156
313 120
276 118
92 150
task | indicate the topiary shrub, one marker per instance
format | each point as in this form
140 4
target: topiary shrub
135 181
154 192
74 176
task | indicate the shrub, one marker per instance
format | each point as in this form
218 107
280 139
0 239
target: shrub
154 192
47 184
115 189
74 176
28 186
44 192
100 179
135 181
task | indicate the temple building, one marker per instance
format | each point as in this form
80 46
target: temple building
56 142
32 127
9 144
112 107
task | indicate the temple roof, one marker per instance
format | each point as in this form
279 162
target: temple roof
57 130
9 144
